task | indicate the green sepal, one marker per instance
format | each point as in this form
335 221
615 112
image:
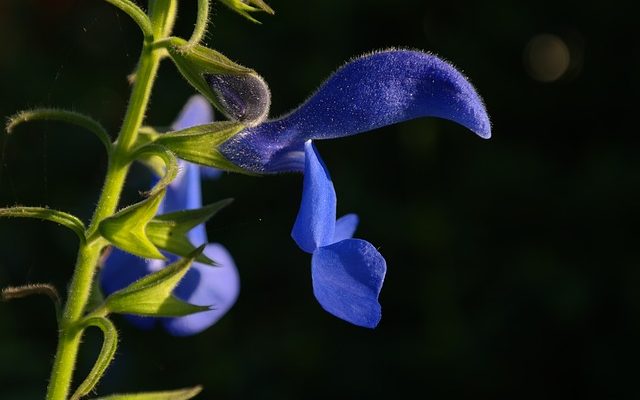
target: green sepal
152 294
236 91
152 154
47 214
169 231
245 7
126 229
199 144
180 394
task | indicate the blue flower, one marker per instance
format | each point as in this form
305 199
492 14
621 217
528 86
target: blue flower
369 92
202 285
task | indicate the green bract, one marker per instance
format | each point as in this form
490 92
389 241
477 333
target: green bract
152 294
126 228
169 231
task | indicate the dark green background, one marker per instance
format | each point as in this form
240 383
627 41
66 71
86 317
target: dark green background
513 263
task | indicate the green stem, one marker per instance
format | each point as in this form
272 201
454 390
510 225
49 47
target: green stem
144 79
71 330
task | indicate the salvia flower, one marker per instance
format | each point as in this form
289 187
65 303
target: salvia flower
369 92
216 286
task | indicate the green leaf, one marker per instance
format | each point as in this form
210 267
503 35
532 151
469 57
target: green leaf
126 228
151 153
59 217
151 295
180 394
107 352
169 231
53 114
199 144
238 92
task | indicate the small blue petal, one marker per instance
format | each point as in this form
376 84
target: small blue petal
315 223
347 279
184 193
197 111
345 227
370 92
206 286
119 271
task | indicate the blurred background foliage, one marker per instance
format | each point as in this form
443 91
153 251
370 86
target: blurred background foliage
513 263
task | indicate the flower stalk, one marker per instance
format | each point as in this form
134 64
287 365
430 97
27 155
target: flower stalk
72 323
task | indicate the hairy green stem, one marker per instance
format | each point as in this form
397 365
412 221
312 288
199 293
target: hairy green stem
71 327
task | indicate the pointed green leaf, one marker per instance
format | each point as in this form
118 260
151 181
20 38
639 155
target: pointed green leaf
151 295
180 394
59 217
199 144
238 92
151 153
169 231
126 228
53 114
107 352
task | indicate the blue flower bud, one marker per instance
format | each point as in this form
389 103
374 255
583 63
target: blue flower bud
243 98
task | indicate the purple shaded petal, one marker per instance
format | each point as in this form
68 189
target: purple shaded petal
345 227
207 286
120 270
347 279
369 92
197 111
315 223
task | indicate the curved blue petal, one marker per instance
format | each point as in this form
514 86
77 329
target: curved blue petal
207 286
315 223
197 111
347 279
345 227
120 270
185 193
369 92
